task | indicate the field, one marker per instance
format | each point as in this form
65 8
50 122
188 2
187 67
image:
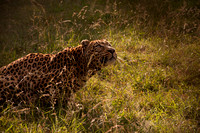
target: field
153 87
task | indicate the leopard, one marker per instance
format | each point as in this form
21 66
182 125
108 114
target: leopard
48 77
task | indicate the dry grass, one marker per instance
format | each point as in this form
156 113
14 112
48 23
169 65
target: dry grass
154 86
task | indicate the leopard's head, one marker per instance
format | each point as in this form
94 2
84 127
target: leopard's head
98 53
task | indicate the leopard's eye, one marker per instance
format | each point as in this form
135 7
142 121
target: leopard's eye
98 47
109 44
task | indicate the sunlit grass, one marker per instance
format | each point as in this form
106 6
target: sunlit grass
153 86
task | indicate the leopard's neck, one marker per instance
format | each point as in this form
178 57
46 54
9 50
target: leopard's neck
70 58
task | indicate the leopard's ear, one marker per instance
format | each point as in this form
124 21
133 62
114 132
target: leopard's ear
85 42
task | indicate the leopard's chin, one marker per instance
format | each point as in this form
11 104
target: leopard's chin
111 60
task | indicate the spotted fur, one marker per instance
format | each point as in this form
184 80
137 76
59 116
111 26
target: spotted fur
38 76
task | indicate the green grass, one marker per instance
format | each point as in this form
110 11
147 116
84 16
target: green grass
153 86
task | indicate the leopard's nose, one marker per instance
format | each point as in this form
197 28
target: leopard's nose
111 51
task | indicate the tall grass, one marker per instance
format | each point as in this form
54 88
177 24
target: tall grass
154 85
